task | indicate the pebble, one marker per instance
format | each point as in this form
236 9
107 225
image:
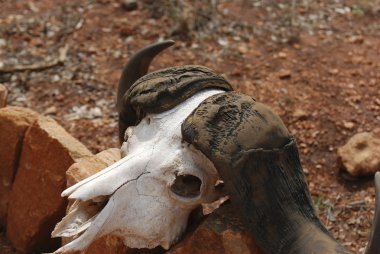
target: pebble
284 74
300 114
348 125
50 111
3 42
282 55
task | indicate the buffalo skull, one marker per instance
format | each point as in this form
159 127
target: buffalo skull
146 197
181 128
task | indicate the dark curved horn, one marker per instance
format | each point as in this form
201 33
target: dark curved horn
258 160
373 246
137 67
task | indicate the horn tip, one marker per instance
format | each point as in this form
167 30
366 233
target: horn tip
170 41
165 43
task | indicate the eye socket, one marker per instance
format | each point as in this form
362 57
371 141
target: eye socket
188 186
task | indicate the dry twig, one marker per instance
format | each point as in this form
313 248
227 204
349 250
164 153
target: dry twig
62 54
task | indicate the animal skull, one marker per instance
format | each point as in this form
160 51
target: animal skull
147 196
182 126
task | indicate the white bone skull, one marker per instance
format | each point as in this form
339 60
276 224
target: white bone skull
147 196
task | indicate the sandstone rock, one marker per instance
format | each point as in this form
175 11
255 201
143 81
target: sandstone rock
3 96
361 155
35 203
14 122
222 232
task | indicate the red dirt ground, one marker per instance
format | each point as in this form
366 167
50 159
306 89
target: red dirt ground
316 64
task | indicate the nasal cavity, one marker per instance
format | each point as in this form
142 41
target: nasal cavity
188 186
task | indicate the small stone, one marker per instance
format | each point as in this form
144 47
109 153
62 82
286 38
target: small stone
334 71
359 39
95 112
300 114
55 78
342 10
361 155
33 7
223 42
3 42
242 49
282 55
50 111
348 125
3 96
284 74
129 5
296 46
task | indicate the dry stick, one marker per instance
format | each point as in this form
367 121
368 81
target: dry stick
39 66
62 54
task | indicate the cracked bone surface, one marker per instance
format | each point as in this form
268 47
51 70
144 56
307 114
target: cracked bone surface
147 196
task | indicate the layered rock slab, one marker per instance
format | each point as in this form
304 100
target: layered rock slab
36 204
14 121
